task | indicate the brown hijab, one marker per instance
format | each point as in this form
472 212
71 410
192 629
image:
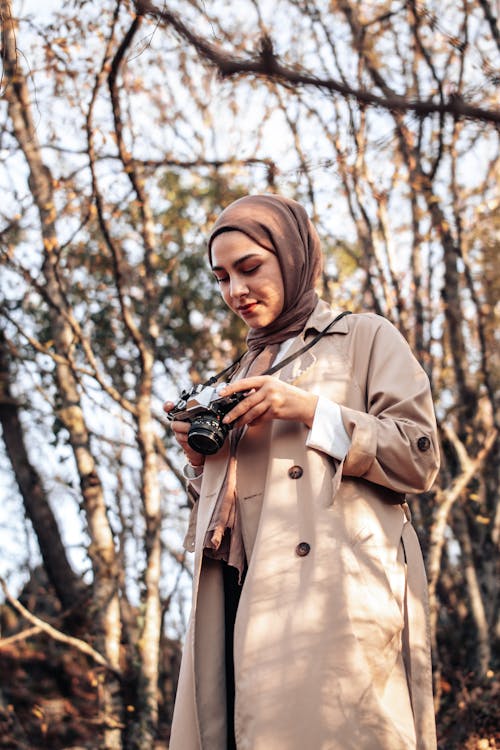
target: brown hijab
281 226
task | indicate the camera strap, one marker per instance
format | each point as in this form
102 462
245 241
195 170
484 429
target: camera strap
309 345
230 369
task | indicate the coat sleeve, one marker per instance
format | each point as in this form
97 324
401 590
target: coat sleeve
394 442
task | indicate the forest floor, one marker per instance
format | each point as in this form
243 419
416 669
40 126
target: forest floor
49 701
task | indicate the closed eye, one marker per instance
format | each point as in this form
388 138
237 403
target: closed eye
244 271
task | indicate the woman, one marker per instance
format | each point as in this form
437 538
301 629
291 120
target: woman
305 559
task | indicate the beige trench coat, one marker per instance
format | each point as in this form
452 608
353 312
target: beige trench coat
331 647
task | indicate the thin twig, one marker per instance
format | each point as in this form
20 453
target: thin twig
57 635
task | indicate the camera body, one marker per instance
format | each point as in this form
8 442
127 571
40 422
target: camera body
205 408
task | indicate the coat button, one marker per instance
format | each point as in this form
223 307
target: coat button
423 444
295 472
302 549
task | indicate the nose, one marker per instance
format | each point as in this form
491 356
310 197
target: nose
237 286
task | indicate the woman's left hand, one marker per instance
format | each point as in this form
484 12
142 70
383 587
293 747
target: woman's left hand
267 399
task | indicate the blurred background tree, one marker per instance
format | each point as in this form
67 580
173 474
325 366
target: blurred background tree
124 129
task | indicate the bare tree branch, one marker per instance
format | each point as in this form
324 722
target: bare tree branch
492 20
446 498
57 635
267 64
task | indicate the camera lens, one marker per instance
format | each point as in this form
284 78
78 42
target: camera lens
206 434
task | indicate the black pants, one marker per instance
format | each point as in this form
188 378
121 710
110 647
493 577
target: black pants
232 592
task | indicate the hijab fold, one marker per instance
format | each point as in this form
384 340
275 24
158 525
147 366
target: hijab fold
281 226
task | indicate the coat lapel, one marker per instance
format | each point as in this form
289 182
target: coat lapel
321 316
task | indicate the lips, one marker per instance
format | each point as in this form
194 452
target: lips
247 309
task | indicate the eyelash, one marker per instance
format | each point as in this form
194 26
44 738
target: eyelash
250 271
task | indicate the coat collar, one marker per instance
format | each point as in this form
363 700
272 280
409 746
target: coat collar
320 317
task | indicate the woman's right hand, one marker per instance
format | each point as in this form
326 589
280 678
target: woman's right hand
180 430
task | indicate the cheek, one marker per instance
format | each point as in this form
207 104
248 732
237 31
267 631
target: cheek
280 296
224 293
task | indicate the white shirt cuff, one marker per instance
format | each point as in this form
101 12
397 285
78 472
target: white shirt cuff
193 474
328 433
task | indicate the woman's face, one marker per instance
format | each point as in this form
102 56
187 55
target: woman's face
249 278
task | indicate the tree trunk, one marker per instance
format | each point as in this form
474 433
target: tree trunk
476 603
68 587
105 598
149 643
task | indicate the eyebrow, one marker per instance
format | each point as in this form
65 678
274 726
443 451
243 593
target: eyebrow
237 262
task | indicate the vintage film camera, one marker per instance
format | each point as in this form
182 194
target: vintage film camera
205 409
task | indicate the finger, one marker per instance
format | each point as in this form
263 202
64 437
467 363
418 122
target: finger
245 384
181 439
183 443
168 406
260 412
180 427
243 406
254 409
